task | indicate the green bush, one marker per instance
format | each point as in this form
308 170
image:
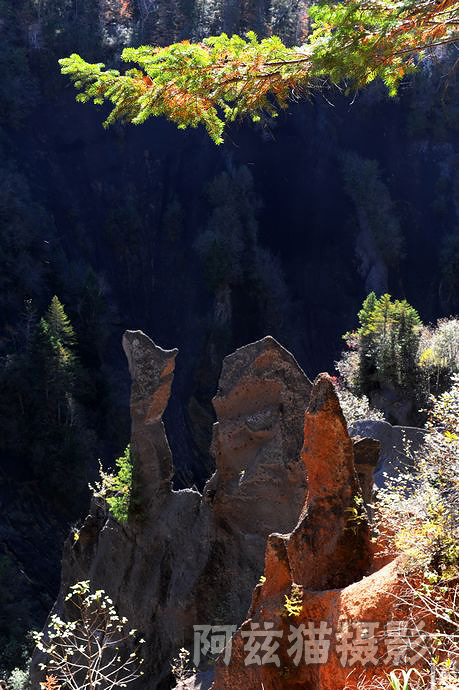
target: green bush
115 488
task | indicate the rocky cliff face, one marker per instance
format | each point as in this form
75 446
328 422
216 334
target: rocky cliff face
167 21
291 486
328 561
182 558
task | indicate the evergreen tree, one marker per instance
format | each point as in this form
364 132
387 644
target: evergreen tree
387 343
52 354
58 323
366 313
375 209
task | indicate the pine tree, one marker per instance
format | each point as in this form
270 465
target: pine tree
56 364
59 326
387 344
366 312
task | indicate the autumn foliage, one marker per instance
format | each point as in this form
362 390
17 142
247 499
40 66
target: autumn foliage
50 683
223 78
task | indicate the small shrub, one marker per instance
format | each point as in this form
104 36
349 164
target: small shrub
438 354
357 515
293 604
94 649
349 364
400 680
19 679
181 667
115 488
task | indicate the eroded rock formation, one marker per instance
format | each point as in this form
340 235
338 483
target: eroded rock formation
183 559
259 485
152 370
370 600
282 450
327 559
329 547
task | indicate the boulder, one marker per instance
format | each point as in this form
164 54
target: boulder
397 443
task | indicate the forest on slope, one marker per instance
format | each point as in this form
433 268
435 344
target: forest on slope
282 230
